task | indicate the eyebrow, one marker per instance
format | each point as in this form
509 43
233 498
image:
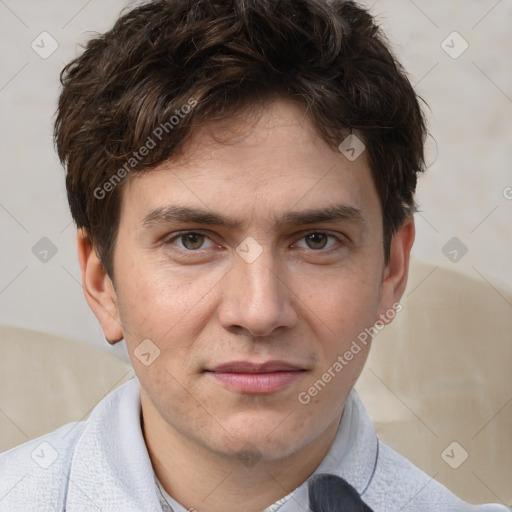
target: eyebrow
175 214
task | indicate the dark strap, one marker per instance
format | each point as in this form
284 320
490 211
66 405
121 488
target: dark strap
330 493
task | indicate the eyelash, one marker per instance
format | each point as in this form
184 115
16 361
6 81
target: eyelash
177 236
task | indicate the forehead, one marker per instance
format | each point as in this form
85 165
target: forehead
260 164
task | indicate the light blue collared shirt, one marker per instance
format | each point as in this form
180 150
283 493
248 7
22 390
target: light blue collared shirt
102 463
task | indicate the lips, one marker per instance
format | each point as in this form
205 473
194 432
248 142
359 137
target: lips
256 378
249 367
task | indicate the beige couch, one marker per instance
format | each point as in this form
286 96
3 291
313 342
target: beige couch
439 375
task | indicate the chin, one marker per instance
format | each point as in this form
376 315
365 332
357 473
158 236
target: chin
263 440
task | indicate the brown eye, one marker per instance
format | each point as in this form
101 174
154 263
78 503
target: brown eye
192 241
316 240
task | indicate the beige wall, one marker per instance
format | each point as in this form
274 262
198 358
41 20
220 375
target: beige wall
463 195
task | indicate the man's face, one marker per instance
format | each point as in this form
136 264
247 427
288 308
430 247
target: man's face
266 290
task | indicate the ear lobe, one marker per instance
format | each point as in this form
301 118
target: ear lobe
397 270
99 289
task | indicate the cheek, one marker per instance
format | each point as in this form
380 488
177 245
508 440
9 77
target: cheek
158 303
345 302
342 313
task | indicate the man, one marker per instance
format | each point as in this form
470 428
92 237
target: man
242 177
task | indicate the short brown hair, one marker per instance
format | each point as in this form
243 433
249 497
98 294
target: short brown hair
219 57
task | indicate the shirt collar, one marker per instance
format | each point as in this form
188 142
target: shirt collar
111 463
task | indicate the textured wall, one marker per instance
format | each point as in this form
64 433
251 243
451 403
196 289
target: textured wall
465 198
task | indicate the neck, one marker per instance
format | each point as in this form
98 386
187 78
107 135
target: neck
202 480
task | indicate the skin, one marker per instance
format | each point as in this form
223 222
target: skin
302 301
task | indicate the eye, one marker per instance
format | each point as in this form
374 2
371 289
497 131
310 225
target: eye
191 241
317 240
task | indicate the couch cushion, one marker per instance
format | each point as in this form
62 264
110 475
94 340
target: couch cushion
47 381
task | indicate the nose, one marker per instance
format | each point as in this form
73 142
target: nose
256 297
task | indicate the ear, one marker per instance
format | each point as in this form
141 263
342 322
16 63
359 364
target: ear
397 270
99 289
